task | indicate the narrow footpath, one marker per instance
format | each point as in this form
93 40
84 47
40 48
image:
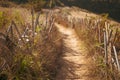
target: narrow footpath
74 65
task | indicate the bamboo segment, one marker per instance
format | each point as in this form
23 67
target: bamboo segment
105 48
116 57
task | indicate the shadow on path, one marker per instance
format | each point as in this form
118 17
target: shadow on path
73 62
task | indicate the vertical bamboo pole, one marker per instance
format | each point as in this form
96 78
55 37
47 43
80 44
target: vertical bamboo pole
115 36
12 33
99 33
109 31
110 36
116 57
46 21
105 48
33 28
18 31
106 29
37 21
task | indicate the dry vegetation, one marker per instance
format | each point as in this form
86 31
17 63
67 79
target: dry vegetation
34 60
91 31
38 61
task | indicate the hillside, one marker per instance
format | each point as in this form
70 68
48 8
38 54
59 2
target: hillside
59 43
110 7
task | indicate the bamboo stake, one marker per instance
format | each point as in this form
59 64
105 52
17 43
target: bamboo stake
105 48
51 26
18 31
37 20
33 28
12 33
115 36
110 35
113 61
106 29
116 57
9 29
46 21
106 54
99 33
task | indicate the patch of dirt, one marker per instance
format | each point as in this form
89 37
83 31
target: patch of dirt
73 62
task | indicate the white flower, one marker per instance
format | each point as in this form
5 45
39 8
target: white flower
19 39
27 40
35 33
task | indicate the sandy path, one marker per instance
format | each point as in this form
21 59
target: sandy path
73 61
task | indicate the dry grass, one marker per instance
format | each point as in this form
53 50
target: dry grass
36 61
40 61
98 68
7 15
88 32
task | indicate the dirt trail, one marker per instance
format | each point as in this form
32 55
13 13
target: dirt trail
73 61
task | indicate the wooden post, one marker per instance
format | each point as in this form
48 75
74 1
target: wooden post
51 26
12 33
105 48
99 33
9 29
18 31
37 21
113 61
46 21
110 36
109 31
116 57
115 36
33 28
110 55
106 29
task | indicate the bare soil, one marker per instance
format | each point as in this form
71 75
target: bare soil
74 63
